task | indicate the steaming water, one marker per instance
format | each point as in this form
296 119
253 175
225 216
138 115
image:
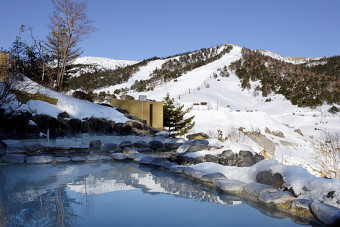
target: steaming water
120 194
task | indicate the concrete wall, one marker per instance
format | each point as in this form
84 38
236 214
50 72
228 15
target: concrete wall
150 111
4 61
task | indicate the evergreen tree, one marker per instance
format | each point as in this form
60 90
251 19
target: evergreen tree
174 117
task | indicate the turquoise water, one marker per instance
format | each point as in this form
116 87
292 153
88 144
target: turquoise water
121 194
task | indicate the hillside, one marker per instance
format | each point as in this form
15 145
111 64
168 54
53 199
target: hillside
253 90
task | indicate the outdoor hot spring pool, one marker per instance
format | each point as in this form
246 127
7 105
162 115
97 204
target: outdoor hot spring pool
121 194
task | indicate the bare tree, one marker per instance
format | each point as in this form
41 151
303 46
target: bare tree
327 154
69 25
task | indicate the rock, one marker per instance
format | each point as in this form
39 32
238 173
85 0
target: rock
146 160
298 131
193 173
213 177
172 146
245 154
62 159
246 162
211 158
268 178
258 158
110 146
199 135
82 95
227 158
124 144
177 169
95 145
33 147
137 157
233 186
14 158
119 156
140 144
3 147
278 197
132 155
39 159
327 214
16 150
168 164
128 150
255 189
183 148
200 143
155 144
103 157
301 206
159 161
92 158
183 160
78 159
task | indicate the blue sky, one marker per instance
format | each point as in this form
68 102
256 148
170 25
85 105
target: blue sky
140 29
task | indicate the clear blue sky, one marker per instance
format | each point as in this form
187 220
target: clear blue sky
140 29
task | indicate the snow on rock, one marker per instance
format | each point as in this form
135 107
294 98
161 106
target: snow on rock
255 189
278 197
305 185
230 185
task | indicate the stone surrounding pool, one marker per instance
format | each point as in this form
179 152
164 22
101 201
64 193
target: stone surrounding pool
114 193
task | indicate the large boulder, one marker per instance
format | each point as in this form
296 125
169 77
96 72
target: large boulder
327 214
210 158
155 144
95 145
124 144
268 178
140 144
3 147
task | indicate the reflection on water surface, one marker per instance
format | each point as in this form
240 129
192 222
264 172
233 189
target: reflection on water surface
120 194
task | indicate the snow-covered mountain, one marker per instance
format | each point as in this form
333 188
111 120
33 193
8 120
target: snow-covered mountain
231 107
99 63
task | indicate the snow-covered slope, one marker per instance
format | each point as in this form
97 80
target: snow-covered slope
230 107
74 107
293 60
100 63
